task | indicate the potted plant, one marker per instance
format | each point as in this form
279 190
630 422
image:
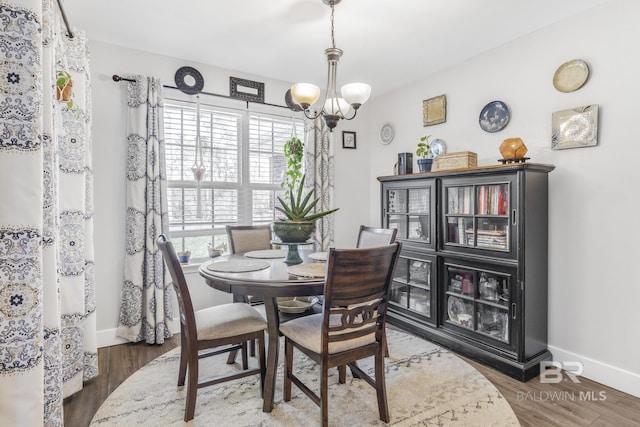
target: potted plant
64 87
293 153
425 157
184 256
299 223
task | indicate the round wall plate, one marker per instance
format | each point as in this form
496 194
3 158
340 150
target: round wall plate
189 80
571 75
438 147
494 116
387 132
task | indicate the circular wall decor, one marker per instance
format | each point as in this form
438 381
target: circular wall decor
387 132
189 80
290 102
494 116
571 75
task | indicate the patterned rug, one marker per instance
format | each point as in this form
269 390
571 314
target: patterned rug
426 386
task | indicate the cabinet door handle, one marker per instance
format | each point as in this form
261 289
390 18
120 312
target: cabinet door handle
513 217
513 311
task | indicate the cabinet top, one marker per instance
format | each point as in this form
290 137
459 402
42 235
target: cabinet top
478 170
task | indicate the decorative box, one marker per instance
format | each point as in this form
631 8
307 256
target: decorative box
459 160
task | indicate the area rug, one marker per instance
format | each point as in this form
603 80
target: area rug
426 385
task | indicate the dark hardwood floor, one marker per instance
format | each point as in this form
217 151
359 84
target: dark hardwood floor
563 404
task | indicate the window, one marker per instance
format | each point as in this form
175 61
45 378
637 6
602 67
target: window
245 164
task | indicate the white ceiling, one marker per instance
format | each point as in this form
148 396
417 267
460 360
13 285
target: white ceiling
386 43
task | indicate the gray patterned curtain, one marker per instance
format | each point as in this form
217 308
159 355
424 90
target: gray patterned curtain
319 164
47 304
146 309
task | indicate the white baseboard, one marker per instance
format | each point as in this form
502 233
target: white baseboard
611 376
109 337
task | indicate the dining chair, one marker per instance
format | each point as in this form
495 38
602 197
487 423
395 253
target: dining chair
246 238
225 327
351 325
369 237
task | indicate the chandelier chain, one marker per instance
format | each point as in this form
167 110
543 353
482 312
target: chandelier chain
333 40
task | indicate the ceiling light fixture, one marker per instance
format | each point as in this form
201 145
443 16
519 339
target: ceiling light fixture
334 107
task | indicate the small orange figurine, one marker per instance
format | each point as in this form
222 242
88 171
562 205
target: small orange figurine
513 148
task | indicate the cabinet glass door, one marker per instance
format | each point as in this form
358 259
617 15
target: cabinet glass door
410 210
478 301
397 211
478 216
412 284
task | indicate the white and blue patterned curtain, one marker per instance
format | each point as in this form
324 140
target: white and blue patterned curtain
319 164
47 304
145 311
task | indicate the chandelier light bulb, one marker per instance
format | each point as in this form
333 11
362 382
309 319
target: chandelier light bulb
336 106
356 94
305 94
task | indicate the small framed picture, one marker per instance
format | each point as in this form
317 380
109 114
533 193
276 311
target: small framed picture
348 139
434 110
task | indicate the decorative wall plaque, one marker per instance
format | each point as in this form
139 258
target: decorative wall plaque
434 110
575 128
247 90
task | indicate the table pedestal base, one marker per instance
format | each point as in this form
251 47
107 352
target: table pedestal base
293 257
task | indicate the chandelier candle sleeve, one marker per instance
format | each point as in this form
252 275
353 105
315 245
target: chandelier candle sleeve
333 107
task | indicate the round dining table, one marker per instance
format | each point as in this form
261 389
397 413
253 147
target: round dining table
271 282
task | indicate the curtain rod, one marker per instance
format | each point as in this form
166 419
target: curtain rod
66 22
117 78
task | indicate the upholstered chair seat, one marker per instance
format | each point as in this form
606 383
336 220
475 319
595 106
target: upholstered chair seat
228 320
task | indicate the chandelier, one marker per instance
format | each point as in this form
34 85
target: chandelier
334 107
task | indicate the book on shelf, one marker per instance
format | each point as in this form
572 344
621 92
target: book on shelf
460 200
492 199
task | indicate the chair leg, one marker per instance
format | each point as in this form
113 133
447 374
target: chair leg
192 387
252 348
245 360
288 365
184 356
261 361
381 391
324 400
386 343
342 374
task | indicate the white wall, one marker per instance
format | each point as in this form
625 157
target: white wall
593 289
109 120
593 294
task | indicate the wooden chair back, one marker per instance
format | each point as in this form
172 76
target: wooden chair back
370 236
187 317
245 238
356 292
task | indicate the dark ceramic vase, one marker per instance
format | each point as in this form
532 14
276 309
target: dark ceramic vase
424 165
293 231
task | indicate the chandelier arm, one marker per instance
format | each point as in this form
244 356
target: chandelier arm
328 89
355 112
312 117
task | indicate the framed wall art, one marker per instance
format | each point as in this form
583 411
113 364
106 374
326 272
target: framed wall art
247 90
348 139
575 128
434 110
